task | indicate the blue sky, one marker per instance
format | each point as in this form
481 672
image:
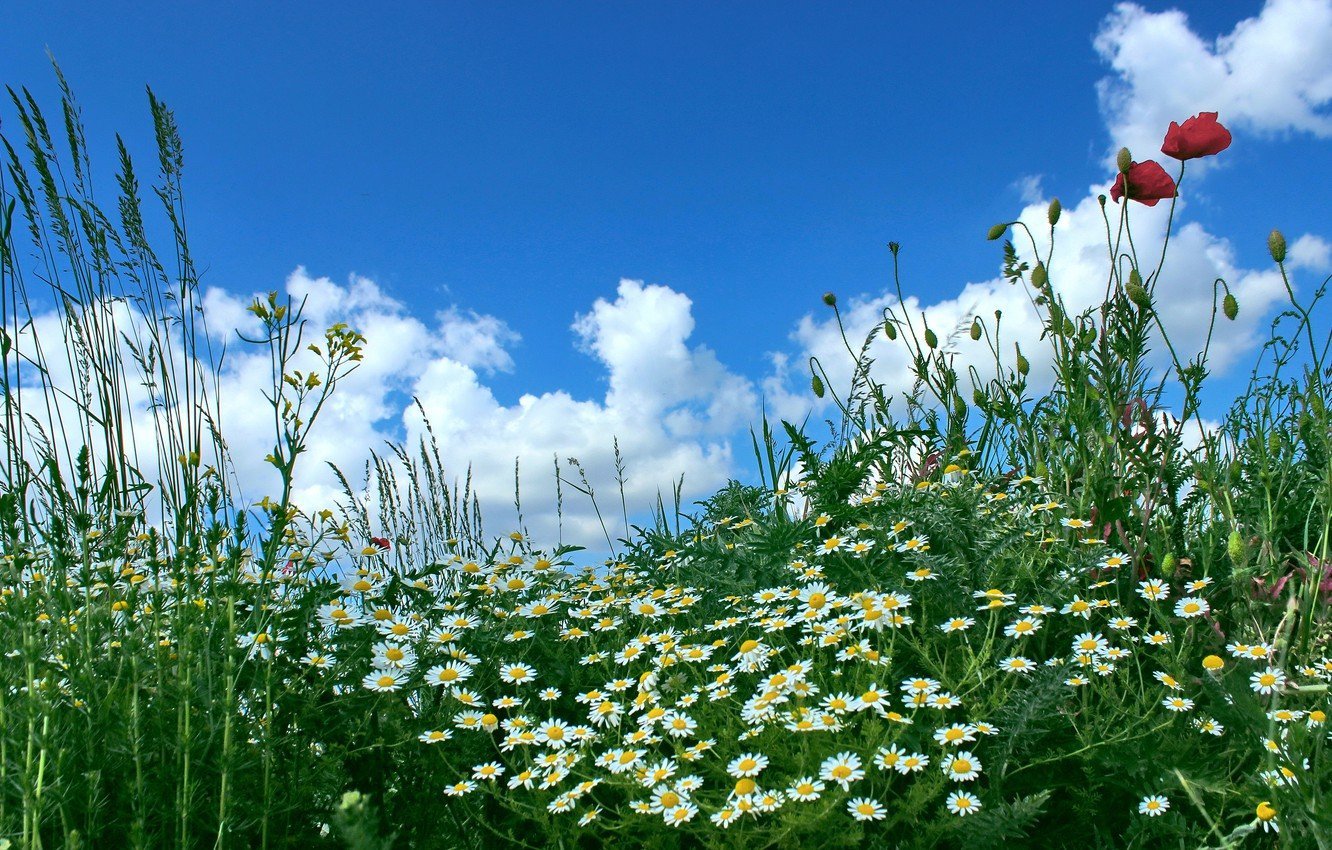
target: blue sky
516 161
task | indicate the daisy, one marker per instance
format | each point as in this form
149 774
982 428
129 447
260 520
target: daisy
1269 680
1153 590
1017 664
746 765
912 763
957 624
962 803
963 767
1178 703
458 789
454 673
488 771
955 735
1022 628
864 808
517 674
1209 726
434 736
1153 806
383 681
1191 606
843 768
806 789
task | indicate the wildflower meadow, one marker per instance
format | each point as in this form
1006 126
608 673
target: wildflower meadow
1079 619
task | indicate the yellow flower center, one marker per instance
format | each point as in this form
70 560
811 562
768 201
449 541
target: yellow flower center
745 786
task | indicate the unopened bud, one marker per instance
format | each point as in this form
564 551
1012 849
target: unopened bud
996 231
931 338
830 299
1100 199
1235 548
1023 365
1276 244
890 331
959 407
1039 277
975 329
1053 212
1169 564
1124 160
1137 293
978 398
816 384
1230 306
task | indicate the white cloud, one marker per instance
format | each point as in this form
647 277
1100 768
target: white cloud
1271 74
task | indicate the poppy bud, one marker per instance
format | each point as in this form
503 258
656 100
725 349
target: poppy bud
1235 548
830 299
889 331
1023 365
1230 306
1100 199
1039 277
931 338
1041 469
975 329
978 398
1276 244
816 383
1169 564
1053 212
1069 330
1056 315
959 407
1124 160
996 231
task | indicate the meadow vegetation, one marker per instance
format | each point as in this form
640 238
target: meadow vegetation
995 620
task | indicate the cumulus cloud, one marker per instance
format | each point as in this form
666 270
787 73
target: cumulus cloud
1270 74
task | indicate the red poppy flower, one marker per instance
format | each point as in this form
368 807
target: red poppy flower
381 542
1147 184
1200 135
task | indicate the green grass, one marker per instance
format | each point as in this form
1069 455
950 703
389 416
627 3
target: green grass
185 670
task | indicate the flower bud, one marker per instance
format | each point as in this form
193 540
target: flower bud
1041 469
816 384
830 299
1169 564
1100 199
1235 548
1053 212
1230 306
931 338
890 331
1023 365
1276 244
959 407
1124 160
1213 663
978 398
1136 292
997 231
975 329
1039 277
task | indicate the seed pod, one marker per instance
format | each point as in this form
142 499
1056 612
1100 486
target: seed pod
816 384
1276 245
931 338
1124 160
889 330
975 329
1039 277
830 299
996 231
1053 212
1235 548
1230 306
